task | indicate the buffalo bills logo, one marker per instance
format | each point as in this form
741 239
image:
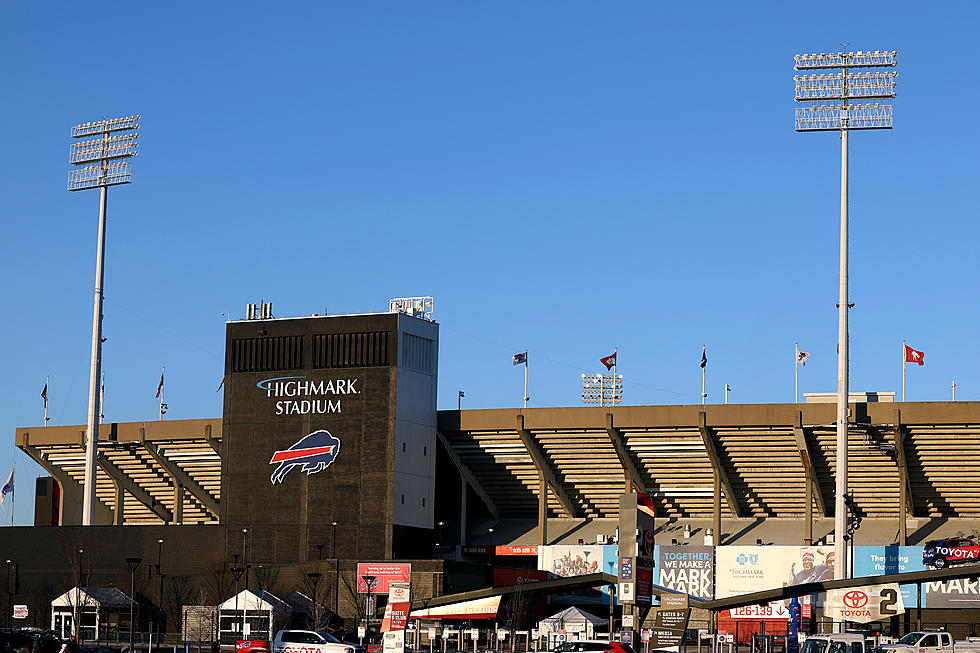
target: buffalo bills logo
315 453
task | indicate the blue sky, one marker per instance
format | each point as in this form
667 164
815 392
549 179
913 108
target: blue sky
563 177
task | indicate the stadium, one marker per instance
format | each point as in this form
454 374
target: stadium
330 453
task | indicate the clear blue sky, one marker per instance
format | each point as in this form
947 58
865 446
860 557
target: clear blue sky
563 177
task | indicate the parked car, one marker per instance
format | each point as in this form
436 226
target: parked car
594 646
835 643
311 641
950 551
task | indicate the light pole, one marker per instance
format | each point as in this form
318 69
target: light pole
104 161
370 582
245 554
159 560
840 116
78 597
10 596
333 541
314 577
440 542
490 548
237 573
133 564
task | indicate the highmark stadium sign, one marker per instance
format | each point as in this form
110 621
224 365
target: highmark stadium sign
297 395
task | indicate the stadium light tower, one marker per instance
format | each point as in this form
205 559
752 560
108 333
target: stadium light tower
839 79
103 161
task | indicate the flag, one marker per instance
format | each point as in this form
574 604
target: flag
7 488
801 356
913 356
461 393
704 357
520 359
44 393
160 387
609 361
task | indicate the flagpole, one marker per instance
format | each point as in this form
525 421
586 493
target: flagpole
46 379
615 378
163 391
704 396
796 370
525 378
903 371
13 492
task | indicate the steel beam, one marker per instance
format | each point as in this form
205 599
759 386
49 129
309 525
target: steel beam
707 438
71 490
212 442
180 477
806 458
468 476
544 469
141 495
634 482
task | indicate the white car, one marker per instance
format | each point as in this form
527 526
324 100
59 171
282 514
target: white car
929 642
311 641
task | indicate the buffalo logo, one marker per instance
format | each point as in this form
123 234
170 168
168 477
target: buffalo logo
855 599
315 453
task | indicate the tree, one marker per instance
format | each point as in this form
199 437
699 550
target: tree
176 593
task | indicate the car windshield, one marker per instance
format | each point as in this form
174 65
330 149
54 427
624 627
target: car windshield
814 646
330 638
911 638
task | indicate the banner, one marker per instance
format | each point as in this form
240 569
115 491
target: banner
960 593
380 575
476 609
686 569
745 569
864 604
879 560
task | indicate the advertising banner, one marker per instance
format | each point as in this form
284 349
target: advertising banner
476 609
382 573
567 561
744 569
879 560
864 604
960 593
686 569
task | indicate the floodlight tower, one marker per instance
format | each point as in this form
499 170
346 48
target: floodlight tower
103 162
836 82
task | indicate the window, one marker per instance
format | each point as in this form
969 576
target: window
929 640
425 451
857 647
403 499
423 502
404 447
946 639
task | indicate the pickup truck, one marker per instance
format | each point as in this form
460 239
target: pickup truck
311 641
929 642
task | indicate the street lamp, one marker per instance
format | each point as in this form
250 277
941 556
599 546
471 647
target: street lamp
314 577
133 564
10 596
440 542
370 582
245 554
237 573
104 162
490 548
333 542
159 560
839 88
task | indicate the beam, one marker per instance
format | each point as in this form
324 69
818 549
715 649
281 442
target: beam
71 490
906 498
141 495
213 443
468 476
707 438
180 477
806 458
544 469
634 482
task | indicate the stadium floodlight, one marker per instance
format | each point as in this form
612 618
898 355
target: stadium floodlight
103 162
602 389
838 89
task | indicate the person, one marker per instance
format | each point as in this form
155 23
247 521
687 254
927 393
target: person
826 570
808 574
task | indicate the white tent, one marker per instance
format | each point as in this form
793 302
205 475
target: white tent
253 614
572 620
93 607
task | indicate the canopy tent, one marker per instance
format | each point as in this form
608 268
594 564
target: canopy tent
572 620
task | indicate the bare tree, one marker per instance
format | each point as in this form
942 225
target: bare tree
219 583
201 620
266 578
177 591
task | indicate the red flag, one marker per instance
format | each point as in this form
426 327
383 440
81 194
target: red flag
913 356
160 387
609 361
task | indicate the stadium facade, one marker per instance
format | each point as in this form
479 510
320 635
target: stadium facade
330 451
